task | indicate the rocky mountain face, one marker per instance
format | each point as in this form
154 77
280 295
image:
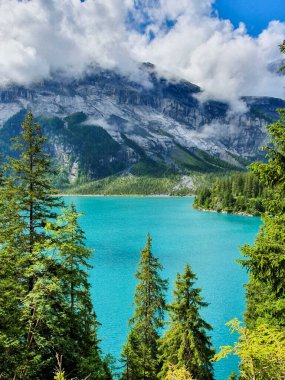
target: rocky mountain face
104 124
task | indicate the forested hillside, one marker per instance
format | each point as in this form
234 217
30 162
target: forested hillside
240 193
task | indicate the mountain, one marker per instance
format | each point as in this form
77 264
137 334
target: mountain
104 123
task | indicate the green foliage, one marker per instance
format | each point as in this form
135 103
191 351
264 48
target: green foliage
261 346
129 185
175 373
262 351
26 208
79 319
45 305
51 125
153 169
263 305
186 343
140 352
236 193
94 151
265 260
272 174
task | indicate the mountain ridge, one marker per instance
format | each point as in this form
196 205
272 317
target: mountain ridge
104 123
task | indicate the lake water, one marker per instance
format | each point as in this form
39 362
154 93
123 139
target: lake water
116 227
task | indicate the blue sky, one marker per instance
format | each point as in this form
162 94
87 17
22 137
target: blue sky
256 14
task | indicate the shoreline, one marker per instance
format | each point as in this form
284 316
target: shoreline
124 195
223 212
228 213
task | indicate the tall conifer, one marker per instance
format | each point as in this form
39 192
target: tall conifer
26 205
12 290
265 260
140 352
79 347
43 277
186 343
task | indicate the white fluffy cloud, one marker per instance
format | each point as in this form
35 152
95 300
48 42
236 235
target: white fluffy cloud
226 62
39 37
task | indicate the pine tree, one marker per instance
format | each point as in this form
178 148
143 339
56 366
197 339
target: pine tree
26 278
11 282
31 182
39 289
261 345
265 260
79 347
186 343
261 351
140 352
28 206
178 374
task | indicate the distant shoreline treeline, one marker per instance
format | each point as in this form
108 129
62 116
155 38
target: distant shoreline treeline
239 193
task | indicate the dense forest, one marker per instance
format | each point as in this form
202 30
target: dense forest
261 347
47 321
48 327
236 193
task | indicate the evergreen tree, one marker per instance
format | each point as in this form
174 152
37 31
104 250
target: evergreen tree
261 351
43 276
11 283
261 346
140 352
178 374
79 346
31 181
186 343
265 260
26 206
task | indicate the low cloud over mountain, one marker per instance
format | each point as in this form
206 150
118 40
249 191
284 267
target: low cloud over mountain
183 38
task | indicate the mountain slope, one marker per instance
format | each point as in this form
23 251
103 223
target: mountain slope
104 124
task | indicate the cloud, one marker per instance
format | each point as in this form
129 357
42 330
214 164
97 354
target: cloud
225 62
39 37
184 38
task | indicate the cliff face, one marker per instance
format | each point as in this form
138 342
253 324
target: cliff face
104 123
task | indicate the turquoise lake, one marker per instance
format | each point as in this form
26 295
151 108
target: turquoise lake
116 227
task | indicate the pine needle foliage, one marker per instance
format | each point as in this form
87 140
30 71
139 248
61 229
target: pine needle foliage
140 352
175 373
265 260
261 351
45 303
186 343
